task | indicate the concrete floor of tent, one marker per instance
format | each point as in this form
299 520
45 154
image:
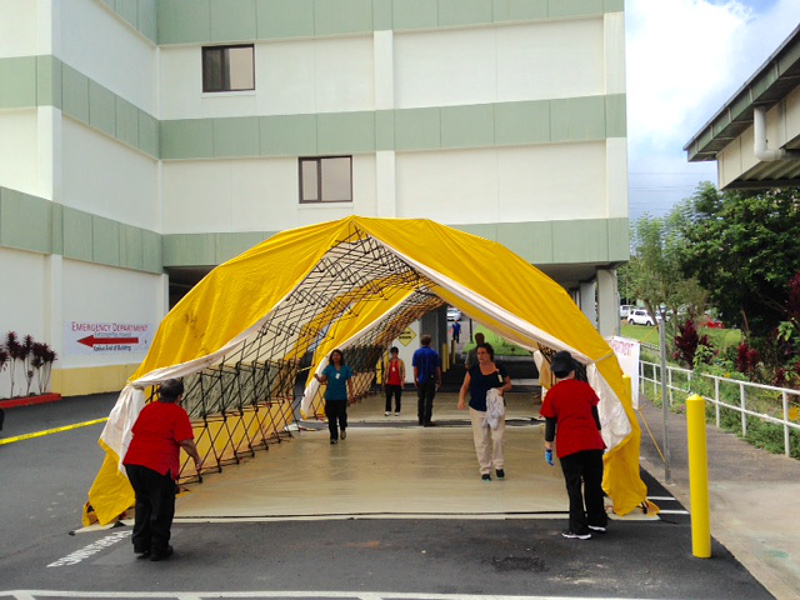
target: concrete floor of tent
389 467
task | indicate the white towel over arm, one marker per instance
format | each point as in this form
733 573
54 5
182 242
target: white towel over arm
495 408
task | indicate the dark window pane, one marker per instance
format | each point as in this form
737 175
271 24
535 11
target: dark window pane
212 69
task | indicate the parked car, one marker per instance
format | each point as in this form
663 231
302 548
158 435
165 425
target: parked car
624 311
711 322
639 316
453 314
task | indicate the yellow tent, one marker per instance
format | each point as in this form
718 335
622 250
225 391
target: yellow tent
241 335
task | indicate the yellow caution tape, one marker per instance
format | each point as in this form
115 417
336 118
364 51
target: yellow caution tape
36 434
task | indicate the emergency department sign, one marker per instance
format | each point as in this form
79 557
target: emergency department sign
92 337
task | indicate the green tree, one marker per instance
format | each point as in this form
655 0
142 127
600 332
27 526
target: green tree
744 248
653 274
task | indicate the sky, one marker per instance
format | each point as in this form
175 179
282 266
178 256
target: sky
685 59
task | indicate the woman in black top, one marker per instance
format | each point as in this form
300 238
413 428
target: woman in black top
488 418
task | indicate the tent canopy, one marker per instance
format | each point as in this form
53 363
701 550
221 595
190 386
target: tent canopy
357 283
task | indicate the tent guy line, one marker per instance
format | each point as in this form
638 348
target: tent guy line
37 434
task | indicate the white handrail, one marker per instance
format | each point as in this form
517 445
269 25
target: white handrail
717 399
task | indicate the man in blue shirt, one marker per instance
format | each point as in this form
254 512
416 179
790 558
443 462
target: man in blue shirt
427 379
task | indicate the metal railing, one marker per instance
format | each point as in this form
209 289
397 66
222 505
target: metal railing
679 380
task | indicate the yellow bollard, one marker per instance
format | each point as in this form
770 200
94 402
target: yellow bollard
698 476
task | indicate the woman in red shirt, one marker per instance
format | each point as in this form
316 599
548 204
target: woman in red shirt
394 380
570 408
152 465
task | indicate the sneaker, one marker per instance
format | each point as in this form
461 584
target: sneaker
344 434
397 414
597 528
486 477
576 536
334 442
387 414
501 474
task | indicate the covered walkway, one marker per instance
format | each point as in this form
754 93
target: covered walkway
389 467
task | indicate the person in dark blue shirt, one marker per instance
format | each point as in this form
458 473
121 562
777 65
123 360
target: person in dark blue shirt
427 379
339 379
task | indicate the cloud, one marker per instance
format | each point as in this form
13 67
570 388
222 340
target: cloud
685 59
678 54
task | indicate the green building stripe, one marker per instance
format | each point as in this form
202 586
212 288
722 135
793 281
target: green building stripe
237 21
37 225
46 81
591 118
32 81
139 14
542 243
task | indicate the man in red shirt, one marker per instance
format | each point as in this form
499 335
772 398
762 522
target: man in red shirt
570 408
152 465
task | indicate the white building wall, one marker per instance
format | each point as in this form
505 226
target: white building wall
253 195
614 31
96 293
22 305
19 26
107 178
98 44
292 77
19 150
503 184
503 64
617 177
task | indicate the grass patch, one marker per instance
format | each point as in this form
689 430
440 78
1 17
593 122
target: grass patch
501 346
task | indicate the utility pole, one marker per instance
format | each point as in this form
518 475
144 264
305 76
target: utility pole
662 334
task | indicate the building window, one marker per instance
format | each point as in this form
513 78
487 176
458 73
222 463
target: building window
228 69
328 179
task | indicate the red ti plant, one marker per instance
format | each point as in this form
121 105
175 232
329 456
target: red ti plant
27 347
15 353
42 362
747 359
687 341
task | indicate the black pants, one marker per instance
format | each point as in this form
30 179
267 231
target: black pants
397 392
155 508
585 469
425 394
336 411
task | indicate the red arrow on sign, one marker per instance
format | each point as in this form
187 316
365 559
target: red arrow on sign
92 341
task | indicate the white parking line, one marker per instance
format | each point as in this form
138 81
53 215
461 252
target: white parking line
36 594
80 555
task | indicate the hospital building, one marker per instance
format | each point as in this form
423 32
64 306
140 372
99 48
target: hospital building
144 142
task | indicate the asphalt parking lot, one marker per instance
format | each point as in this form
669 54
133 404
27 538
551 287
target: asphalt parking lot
522 555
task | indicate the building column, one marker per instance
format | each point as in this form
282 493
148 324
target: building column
588 302
53 317
385 183
607 302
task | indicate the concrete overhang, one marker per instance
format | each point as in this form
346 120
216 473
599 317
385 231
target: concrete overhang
771 159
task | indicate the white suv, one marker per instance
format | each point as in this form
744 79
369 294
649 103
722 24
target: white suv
639 316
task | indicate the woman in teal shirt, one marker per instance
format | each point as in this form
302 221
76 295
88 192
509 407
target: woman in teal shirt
339 379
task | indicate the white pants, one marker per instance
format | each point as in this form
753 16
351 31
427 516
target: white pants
488 442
